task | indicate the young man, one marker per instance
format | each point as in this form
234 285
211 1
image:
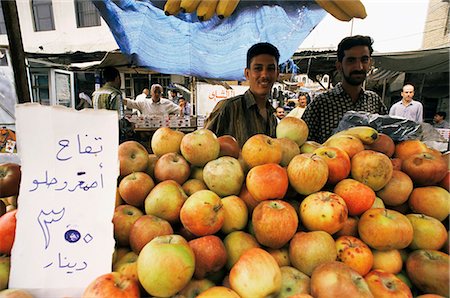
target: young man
326 110
407 107
155 104
245 115
439 120
109 96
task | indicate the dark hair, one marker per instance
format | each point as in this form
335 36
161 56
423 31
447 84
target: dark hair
262 48
353 41
110 74
442 114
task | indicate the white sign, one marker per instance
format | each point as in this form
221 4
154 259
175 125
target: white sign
209 95
64 233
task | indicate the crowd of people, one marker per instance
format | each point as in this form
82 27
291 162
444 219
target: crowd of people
253 113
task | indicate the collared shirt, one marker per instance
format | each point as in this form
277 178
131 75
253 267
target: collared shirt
296 112
148 107
442 124
239 116
412 111
325 112
108 97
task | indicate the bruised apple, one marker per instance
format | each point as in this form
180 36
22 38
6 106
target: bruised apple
386 284
425 168
293 282
267 181
224 176
127 265
397 190
260 149
372 168
113 284
354 253
166 140
383 144
407 148
199 147
307 173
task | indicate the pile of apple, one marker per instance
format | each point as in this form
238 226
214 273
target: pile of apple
280 217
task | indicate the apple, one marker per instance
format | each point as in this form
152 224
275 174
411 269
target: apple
10 175
5 264
166 140
152 158
229 146
387 260
197 173
323 211
195 287
383 144
445 182
357 196
145 228
15 293
127 265
119 252
307 173
425 168
7 231
371 168
350 227
165 265
348 143
281 255
289 149
260 149
218 291
397 163
113 284
354 253
202 213
293 282
267 181
193 185
210 255
123 219
428 270
235 214
249 200
236 243
309 147
165 201
133 157
433 201
224 176
255 274
307 250
335 279
397 190
172 166
378 203
423 227
200 146
385 229
407 148
274 223
135 187
386 284
338 163
293 128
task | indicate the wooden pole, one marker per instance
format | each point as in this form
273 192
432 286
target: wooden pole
16 50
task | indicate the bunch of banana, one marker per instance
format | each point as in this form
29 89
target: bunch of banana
226 7
366 134
344 10
205 8
172 7
189 6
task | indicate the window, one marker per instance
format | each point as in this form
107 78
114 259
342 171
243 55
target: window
43 15
87 14
40 89
2 21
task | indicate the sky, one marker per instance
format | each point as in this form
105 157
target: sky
394 25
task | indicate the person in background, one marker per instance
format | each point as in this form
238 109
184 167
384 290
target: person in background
300 108
109 95
154 104
143 95
85 101
251 113
173 96
279 112
407 107
185 107
325 112
439 120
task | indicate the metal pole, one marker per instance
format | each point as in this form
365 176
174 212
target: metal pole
16 50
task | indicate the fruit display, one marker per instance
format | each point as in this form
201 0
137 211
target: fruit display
198 216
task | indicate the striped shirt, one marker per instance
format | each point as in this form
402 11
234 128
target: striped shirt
108 97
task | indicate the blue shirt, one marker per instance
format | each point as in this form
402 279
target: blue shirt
413 111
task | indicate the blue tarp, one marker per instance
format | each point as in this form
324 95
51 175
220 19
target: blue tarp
212 49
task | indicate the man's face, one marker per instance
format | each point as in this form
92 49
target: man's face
156 94
355 65
437 118
407 93
262 74
302 101
279 113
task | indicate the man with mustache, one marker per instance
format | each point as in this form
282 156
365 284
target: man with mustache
323 114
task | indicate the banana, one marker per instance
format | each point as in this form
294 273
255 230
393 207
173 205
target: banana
334 10
366 134
189 6
172 7
225 8
353 8
206 9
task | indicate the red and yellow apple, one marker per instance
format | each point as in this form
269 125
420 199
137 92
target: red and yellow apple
267 181
145 228
235 214
123 219
260 149
172 166
112 284
135 187
133 157
425 168
372 168
387 260
354 253
307 173
397 190
193 185
357 196
199 147
386 284
348 143
7 231
289 149
236 243
338 163
383 144
293 128
433 201
166 140
210 255
429 233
